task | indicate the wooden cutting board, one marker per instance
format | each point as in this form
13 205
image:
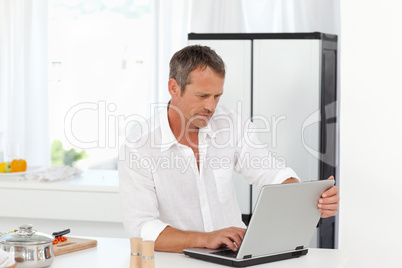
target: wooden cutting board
73 244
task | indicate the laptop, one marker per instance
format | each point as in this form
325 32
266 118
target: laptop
282 224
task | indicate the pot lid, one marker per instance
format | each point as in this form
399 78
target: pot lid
26 236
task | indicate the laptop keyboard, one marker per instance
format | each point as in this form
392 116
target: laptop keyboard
226 253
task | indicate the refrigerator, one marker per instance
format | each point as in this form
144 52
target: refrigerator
288 83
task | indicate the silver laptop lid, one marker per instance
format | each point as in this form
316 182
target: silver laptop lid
284 218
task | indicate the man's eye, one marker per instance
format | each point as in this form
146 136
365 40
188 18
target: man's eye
203 96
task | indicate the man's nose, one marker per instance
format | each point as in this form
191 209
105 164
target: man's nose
210 104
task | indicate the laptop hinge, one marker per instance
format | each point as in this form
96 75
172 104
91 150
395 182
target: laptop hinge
299 247
247 257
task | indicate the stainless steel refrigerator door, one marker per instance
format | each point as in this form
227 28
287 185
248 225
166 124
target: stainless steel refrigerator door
286 94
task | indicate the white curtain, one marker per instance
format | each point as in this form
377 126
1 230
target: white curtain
170 35
264 16
23 80
292 16
217 16
174 19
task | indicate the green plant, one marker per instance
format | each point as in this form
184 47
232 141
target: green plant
60 156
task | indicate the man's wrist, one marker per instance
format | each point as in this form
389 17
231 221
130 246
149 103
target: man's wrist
201 239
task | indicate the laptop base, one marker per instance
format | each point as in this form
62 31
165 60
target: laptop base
248 262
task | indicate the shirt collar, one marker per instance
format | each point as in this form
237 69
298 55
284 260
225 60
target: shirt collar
168 139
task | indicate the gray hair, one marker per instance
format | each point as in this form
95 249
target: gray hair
190 58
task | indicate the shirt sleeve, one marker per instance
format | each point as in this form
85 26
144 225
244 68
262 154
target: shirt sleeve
259 166
139 205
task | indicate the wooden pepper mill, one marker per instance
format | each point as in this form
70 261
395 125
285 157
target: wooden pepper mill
136 253
148 260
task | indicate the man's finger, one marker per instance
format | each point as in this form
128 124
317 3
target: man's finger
236 238
328 207
331 191
229 243
235 235
240 231
329 200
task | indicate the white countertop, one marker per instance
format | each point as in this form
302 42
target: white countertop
90 180
94 197
114 252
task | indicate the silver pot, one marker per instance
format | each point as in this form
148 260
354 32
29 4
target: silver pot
30 248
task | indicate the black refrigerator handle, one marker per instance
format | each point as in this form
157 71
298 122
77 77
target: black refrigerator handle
324 132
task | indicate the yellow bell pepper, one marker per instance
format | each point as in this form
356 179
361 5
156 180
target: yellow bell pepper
3 167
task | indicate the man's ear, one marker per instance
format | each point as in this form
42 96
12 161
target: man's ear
174 88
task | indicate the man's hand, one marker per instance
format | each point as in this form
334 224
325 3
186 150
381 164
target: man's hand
174 240
227 236
328 204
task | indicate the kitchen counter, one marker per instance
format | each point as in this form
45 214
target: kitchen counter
94 196
114 252
90 181
88 204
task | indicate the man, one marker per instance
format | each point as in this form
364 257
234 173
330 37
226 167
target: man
176 173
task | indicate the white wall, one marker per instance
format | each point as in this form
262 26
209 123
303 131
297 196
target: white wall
371 132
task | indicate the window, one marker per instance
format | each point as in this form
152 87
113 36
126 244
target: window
99 69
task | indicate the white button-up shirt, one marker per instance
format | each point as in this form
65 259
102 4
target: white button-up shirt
160 183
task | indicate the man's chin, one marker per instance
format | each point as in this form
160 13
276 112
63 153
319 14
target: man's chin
200 123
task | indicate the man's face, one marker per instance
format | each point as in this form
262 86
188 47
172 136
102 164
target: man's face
200 98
